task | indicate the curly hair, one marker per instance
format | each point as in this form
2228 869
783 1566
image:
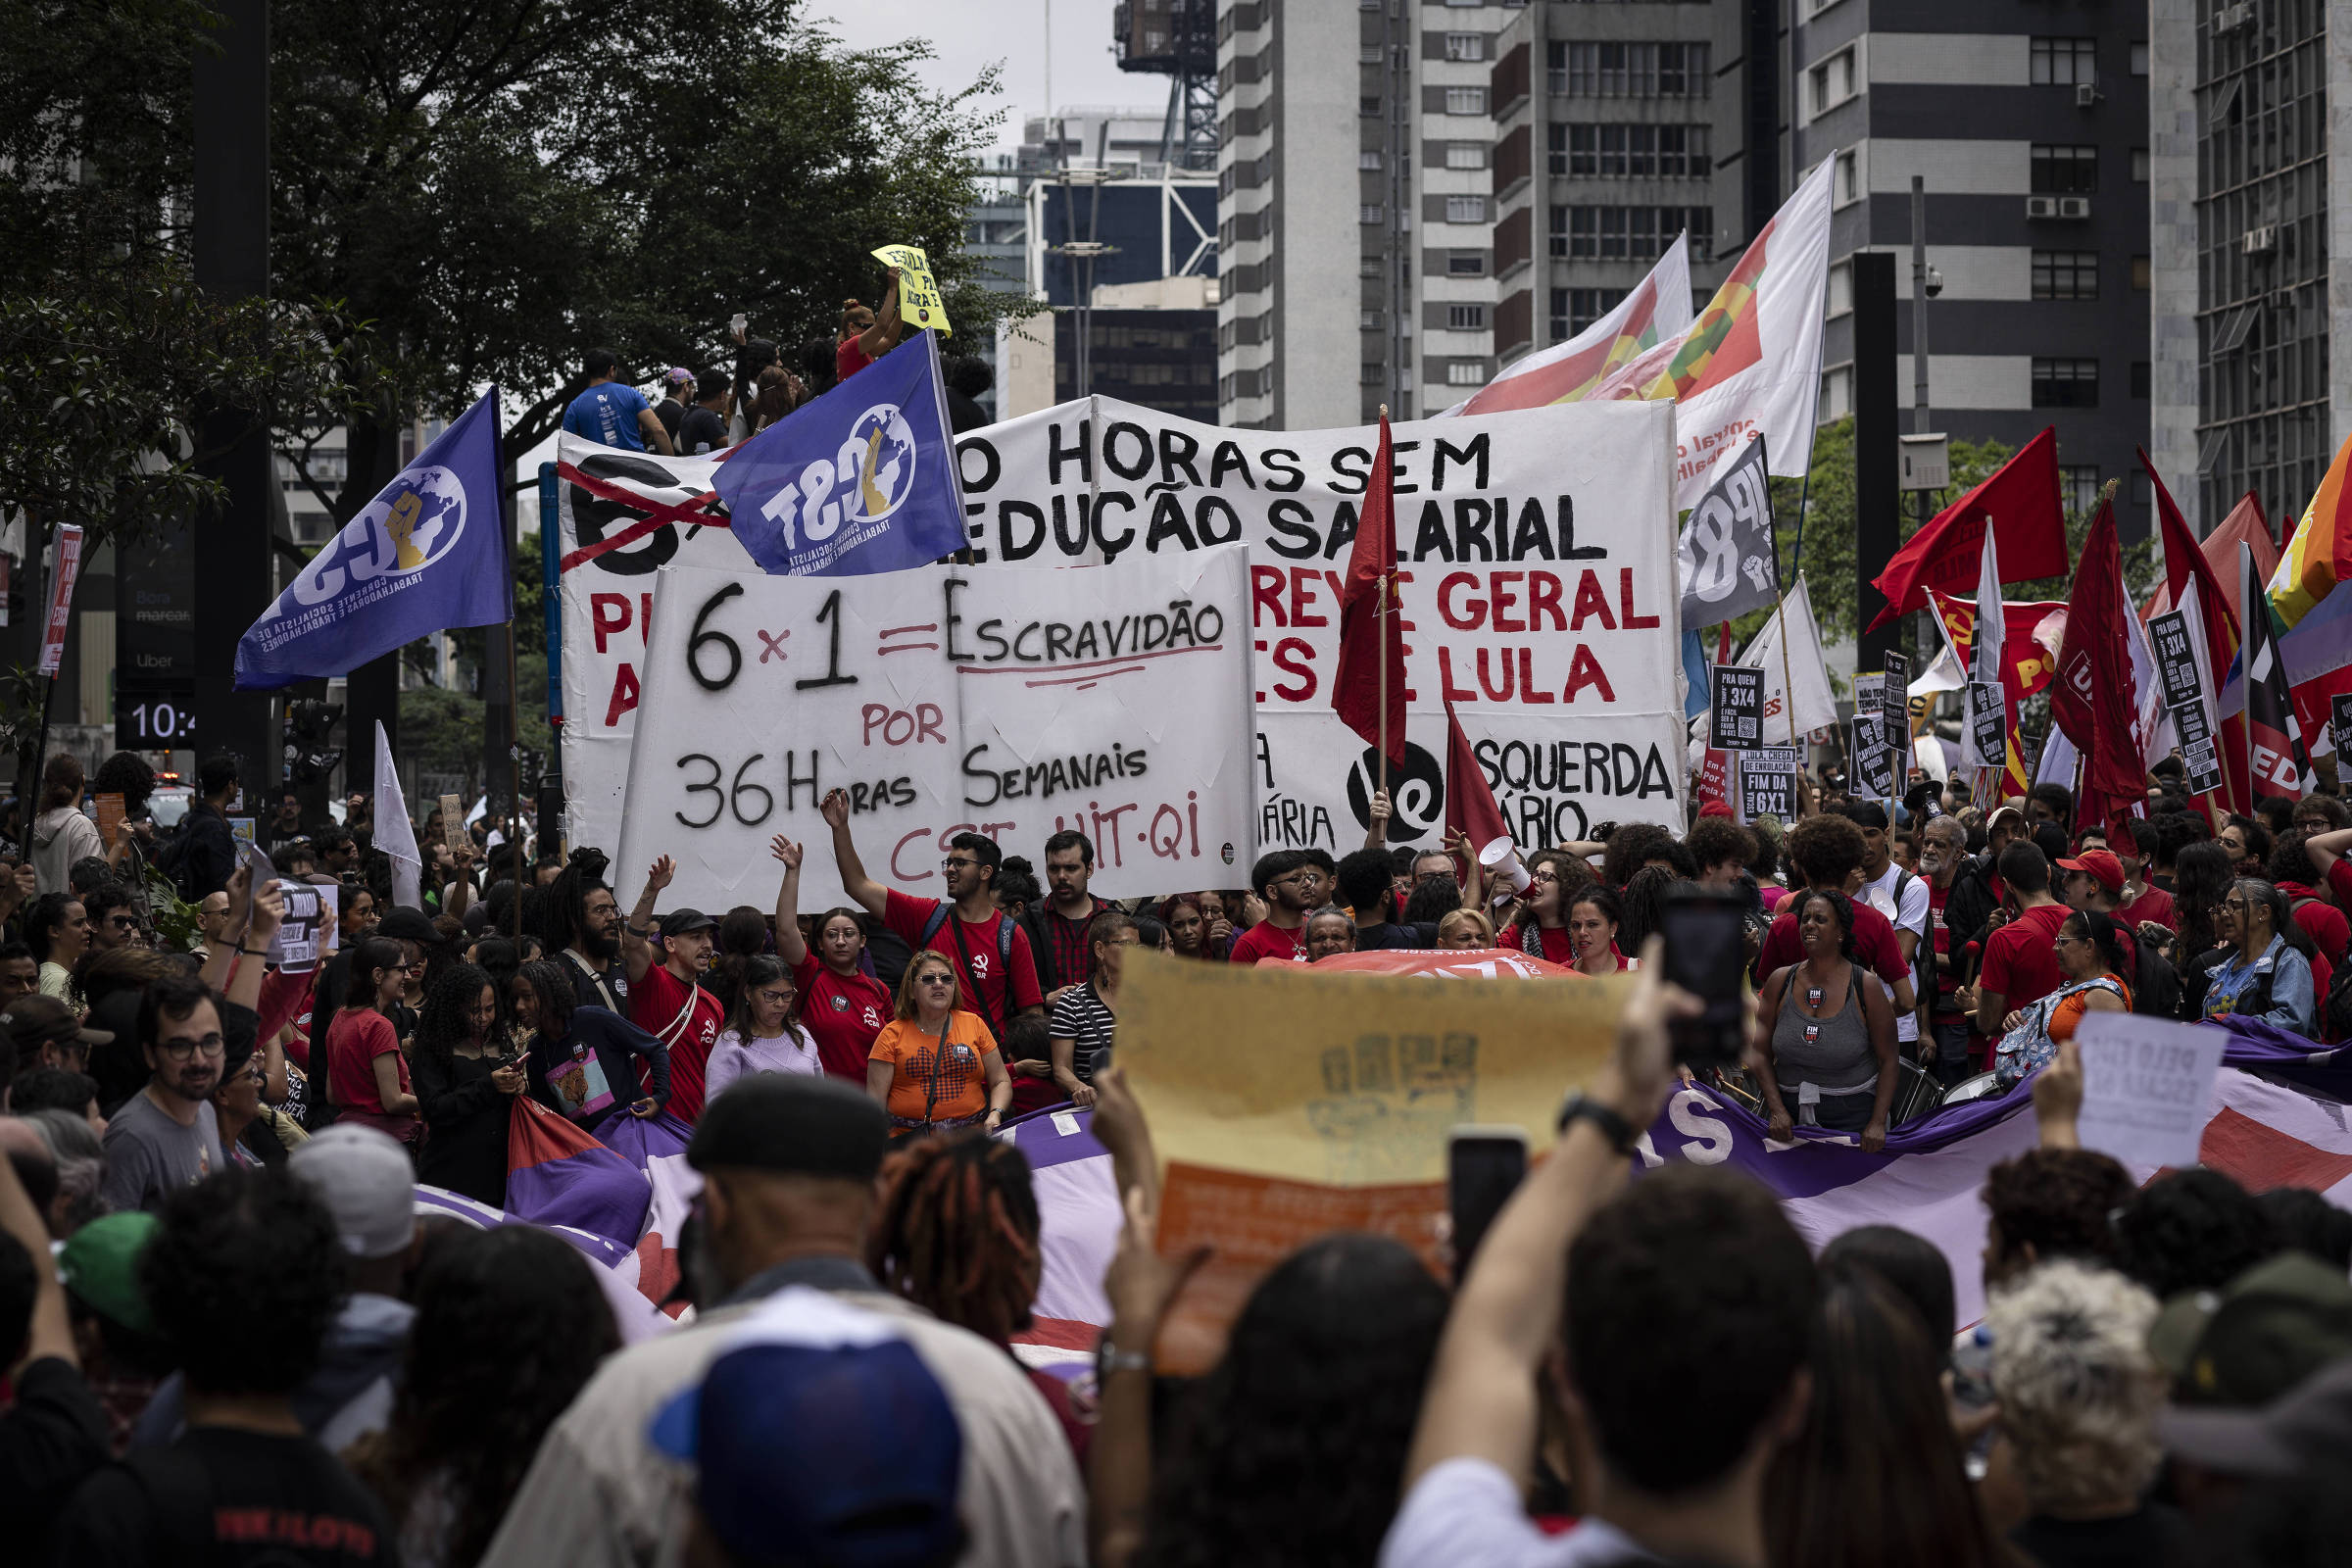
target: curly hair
2077 1389
445 1019
1573 873
128 775
1636 845
2055 1200
1602 897
1714 840
1824 850
1645 906
552 988
240 1248
957 1233
2192 1230
510 1326
1433 900
1291 1448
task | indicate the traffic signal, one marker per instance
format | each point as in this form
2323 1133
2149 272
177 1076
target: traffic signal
309 727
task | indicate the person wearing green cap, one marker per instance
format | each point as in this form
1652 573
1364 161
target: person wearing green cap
54 1434
120 1357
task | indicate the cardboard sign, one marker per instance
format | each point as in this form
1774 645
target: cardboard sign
453 819
2172 641
1736 710
1768 783
2147 1087
1538 595
920 304
1016 703
110 818
2029 750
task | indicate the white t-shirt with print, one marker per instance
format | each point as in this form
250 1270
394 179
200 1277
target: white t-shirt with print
1909 913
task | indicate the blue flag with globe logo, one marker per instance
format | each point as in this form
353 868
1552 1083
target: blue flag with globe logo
429 553
860 481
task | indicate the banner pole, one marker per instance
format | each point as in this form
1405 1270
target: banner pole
1787 680
1388 583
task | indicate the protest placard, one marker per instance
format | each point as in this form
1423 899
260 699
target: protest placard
2339 724
1768 783
1113 701
1872 758
920 304
1736 710
1895 696
2147 1087
306 937
2172 641
1537 587
110 818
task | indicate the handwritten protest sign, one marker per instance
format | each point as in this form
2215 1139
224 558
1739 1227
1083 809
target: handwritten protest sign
1113 701
920 304
110 818
306 937
2147 1087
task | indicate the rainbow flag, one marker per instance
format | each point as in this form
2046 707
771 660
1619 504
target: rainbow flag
2319 555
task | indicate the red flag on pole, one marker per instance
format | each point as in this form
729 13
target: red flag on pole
1367 689
2190 579
1470 807
2019 501
2091 697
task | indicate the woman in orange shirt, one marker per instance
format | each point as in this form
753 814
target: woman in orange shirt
935 1067
2092 965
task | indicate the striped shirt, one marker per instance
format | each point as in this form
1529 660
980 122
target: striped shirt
1080 1019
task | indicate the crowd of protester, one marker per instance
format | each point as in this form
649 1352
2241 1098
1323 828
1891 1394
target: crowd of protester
232 1338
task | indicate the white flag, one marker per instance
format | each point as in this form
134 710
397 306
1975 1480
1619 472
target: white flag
1814 706
395 835
1984 742
1655 312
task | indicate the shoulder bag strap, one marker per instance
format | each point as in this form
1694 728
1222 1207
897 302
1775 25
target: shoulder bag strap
979 999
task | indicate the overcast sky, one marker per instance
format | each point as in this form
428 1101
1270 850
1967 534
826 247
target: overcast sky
969 35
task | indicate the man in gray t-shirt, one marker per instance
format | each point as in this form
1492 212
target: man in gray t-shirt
167 1135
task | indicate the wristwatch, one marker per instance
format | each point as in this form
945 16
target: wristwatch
1109 1358
1580 1106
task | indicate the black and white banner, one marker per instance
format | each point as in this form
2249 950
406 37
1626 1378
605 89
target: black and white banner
1727 558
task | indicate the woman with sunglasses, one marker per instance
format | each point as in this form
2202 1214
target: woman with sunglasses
1539 927
2268 974
2093 971
935 1067
764 1032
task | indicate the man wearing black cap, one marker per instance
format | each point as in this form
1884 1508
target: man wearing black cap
47 1034
664 962
788 1168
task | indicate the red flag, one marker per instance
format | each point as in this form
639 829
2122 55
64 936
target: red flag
2020 499
1368 638
1469 800
2187 573
2091 698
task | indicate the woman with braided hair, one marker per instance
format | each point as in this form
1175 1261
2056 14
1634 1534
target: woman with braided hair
956 1234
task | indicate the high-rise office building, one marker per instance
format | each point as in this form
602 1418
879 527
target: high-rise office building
2252 262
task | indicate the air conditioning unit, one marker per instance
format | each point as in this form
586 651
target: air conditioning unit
2086 94
2042 207
2261 240
2073 206
2231 18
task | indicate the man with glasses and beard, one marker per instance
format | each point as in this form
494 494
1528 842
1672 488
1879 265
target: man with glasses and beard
167 1135
988 949
591 960
1288 881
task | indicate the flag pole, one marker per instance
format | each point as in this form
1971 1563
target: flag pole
1388 581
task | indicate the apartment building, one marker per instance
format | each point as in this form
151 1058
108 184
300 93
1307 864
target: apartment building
2252 223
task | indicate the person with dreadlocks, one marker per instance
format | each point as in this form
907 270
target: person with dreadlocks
465 1083
956 1234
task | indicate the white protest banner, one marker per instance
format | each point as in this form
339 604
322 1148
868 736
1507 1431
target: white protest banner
948 698
1538 580
2147 1087
1536 574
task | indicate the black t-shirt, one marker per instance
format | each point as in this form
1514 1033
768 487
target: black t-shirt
1389 934
669 412
247 1497
51 1439
700 432
2151 1536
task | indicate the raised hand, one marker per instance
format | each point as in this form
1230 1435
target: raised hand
835 809
658 875
784 849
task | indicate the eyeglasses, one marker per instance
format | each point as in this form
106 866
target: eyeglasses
779 998
181 1050
125 922
957 863
934 979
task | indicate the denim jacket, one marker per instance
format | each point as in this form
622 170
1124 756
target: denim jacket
2276 988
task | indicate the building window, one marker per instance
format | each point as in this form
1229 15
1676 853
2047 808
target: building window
2141 280
1465 100
1465 155
1368 160
1369 321
2139 57
1832 81
1628 233
1633 152
1841 290
1374 214
1466 264
1466 318
1465 373
2066 383
1375 374
1574 310
2142 377
2065 171
2062 62
2080 485
1368 106
1465 209
1465 46
2066 274
1628 70
1370 54
1369 266
2139 166
1848 180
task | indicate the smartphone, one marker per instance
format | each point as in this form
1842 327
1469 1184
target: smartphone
1706 955
1483 1168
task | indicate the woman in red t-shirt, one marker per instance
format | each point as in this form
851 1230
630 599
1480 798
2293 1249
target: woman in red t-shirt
842 1006
1540 927
368 1072
1593 915
864 337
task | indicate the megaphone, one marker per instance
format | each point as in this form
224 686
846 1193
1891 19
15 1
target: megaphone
1500 861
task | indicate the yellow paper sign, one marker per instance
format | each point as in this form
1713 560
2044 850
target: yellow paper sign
919 301
1349 1079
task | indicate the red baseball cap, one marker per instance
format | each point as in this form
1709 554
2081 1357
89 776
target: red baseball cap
1720 808
2100 863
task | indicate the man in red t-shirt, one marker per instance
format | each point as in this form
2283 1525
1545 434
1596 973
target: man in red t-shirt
666 1000
2021 958
1280 877
989 950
